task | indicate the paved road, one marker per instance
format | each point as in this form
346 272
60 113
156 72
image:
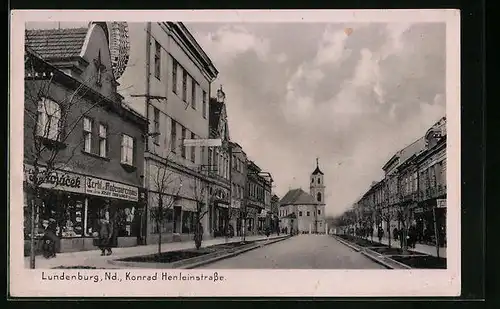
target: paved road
300 252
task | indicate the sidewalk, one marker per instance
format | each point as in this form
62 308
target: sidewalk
93 258
421 248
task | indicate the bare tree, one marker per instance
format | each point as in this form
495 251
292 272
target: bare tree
404 216
167 184
51 125
386 216
204 195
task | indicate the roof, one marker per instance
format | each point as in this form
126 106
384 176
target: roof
56 43
297 197
317 170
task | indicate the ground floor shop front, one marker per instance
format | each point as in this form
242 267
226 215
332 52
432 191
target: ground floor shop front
73 204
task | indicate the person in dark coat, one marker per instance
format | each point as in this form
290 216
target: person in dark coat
50 239
107 238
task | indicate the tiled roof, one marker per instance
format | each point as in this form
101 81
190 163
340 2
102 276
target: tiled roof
297 197
56 43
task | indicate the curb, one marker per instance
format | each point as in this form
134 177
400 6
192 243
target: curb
210 258
372 255
232 254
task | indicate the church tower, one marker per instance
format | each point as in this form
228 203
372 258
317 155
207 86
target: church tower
317 186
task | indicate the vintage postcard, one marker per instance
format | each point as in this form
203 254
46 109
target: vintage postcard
235 153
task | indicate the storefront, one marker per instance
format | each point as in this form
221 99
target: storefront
430 215
73 201
251 220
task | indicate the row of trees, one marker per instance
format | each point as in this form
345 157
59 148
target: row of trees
373 217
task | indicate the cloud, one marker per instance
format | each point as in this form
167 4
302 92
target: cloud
300 91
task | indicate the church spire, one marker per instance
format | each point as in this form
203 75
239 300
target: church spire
317 170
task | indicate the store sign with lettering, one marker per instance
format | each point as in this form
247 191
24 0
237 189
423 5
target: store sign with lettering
101 187
57 179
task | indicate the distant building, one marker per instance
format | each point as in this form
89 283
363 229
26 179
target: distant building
305 212
238 185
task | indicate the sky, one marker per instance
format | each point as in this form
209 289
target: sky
349 94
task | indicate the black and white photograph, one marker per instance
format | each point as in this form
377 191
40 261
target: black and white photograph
293 153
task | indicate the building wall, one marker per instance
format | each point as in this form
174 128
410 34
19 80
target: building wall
80 161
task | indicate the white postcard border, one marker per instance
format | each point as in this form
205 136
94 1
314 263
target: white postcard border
280 283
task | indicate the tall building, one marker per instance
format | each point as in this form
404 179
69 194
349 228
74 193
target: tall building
166 76
238 185
81 138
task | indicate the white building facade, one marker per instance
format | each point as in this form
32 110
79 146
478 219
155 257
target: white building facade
166 76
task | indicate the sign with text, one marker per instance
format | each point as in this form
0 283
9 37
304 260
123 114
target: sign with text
202 142
106 188
441 203
57 179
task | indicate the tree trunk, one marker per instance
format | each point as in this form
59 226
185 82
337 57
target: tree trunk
33 230
389 228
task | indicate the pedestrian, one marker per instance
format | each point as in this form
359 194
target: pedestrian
395 233
106 232
380 234
50 239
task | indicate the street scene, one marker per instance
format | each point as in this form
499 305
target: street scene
235 145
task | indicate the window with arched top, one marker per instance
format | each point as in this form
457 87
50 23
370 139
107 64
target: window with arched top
312 180
318 196
319 181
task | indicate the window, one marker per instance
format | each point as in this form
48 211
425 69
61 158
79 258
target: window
183 148
319 212
87 134
318 196
300 213
193 94
156 126
308 213
204 104
319 181
49 120
157 59
103 138
174 75
312 180
173 136
202 159
193 149
127 150
184 85
210 158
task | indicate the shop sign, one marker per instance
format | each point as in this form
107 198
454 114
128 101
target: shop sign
57 180
418 210
101 187
441 203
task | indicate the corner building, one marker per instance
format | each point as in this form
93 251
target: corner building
98 140
166 76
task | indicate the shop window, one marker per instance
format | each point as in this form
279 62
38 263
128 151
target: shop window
103 140
127 150
49 120
188 222
87 134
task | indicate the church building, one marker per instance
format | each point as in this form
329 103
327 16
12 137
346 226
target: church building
305 212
